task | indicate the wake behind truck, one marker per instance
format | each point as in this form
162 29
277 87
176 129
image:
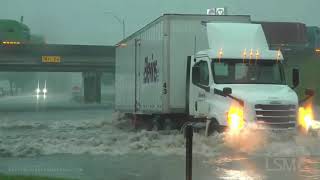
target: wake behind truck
216 71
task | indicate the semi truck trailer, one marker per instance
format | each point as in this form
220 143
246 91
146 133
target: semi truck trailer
215 71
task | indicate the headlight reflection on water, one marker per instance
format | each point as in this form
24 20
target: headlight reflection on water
237 166
239 174
248 140
240 135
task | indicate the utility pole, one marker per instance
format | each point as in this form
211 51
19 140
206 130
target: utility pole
121 21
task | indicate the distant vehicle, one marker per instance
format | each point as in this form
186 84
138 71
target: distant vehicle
291 37
214 71
2 92
314 38
14 33
5 87
42 92
76 87
287 36
76 93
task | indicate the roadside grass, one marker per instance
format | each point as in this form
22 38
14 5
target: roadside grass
16 177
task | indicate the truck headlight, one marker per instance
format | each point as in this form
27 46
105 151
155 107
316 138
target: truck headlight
235 118
306 117
38 90
44 91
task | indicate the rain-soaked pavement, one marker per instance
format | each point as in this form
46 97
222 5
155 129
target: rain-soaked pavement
87 142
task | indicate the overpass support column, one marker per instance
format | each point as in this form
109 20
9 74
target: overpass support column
92 87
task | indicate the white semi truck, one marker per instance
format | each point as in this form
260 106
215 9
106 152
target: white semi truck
216 71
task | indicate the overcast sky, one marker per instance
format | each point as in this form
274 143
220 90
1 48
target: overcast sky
84 21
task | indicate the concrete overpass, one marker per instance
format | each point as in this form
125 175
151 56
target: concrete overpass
57 58
92 61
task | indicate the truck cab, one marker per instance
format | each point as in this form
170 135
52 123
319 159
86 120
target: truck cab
239 81
200 69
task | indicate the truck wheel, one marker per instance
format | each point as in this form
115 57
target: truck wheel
168 124
154 124
134 121
216 127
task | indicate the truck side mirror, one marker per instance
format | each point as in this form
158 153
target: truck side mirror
227 91
195 74
295 77
309 92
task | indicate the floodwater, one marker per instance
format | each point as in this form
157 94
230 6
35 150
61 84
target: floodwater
89 142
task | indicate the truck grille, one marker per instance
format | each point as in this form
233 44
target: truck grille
276 116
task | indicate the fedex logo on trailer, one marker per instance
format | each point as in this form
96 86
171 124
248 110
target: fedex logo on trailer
151 71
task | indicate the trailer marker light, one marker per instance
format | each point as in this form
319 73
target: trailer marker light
244 55
121 45
10 42
220 54
257 54
278 55
250 55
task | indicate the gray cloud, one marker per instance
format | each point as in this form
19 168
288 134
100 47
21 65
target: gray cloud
84 21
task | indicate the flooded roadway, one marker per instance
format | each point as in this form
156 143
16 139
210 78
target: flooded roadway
87 142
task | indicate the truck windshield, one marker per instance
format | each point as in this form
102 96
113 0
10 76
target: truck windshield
258 72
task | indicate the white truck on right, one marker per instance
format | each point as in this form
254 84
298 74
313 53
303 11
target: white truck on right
214 71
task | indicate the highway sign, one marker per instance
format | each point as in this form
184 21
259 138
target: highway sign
51 59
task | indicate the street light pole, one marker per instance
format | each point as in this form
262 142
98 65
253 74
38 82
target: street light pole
121 21
123 29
